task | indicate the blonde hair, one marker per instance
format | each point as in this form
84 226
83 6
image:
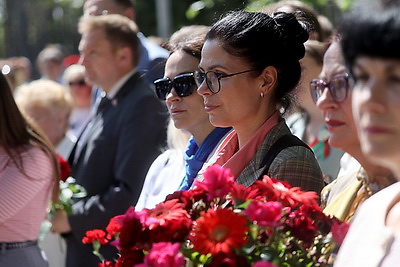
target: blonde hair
176 138
72 71
44 94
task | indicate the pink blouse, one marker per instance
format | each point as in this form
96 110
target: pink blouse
24 198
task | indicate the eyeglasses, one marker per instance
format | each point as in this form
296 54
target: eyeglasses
183 84
213 79
338 87
77 83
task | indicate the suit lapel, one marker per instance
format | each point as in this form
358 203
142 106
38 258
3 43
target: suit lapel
96 121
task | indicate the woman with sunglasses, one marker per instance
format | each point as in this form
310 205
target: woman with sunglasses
248 71
370 42
81 92
186 109
342 197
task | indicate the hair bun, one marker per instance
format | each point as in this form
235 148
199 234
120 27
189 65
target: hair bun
292 34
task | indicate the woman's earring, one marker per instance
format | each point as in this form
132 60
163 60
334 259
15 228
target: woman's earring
262 94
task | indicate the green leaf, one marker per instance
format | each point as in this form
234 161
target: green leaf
244 205
344 4
195 9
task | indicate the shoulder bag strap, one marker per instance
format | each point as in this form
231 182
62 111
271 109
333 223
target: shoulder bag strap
283 142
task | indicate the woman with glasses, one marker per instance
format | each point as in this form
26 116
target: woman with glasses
307 122
186 108
342 197
81 92
248 71
370 42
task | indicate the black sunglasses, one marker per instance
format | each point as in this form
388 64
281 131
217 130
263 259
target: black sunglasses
183 84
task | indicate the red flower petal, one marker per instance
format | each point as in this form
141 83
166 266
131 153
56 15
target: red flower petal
219 231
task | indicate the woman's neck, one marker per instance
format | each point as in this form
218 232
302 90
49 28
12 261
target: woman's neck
200 133
246 131
375 173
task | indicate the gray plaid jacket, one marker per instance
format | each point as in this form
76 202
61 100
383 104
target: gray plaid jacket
295 165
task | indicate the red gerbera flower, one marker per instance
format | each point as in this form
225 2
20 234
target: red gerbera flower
164 213
276 190
168 221
241 194
219 231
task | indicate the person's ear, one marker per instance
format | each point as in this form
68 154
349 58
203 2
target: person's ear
268 80
124 55
130 13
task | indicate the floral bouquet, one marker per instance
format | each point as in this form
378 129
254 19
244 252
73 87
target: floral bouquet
221 223
68 190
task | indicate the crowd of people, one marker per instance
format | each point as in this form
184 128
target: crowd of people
278 92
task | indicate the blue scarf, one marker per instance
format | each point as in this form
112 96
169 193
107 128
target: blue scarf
196 156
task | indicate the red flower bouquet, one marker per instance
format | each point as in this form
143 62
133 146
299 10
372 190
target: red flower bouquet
221 223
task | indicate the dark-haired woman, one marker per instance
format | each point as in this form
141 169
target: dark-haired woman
370 44
28 180
249 67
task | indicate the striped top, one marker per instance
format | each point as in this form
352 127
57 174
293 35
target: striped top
24 198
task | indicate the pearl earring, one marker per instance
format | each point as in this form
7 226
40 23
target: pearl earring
262 94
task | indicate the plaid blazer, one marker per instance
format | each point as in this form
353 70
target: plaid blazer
295 165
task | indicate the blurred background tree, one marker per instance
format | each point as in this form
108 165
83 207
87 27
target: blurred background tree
29 25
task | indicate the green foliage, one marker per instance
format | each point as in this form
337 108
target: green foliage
345 4
96 250
206 6
195 258
28 26
256 5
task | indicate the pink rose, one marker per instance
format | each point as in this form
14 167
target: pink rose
217 182
164 254
264 214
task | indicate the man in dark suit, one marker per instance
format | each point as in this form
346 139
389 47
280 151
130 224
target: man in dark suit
152 57
114 152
